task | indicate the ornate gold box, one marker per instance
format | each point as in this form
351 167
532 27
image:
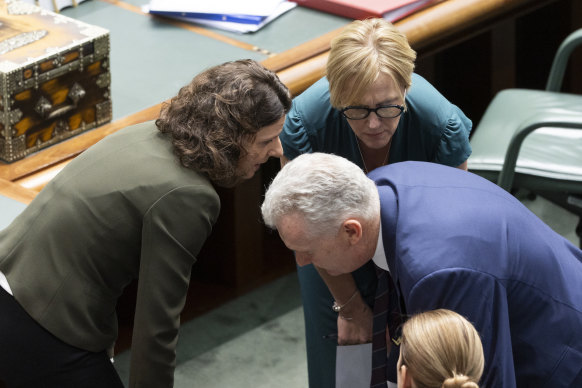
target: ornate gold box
54 78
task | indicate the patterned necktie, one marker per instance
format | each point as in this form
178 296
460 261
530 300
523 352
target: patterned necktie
386 313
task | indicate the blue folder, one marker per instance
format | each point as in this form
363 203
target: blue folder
233 18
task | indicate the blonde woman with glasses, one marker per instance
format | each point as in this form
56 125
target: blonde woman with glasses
372 109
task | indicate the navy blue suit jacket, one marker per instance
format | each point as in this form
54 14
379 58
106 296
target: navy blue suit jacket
454 240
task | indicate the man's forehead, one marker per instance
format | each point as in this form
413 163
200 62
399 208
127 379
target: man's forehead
291 227
291 222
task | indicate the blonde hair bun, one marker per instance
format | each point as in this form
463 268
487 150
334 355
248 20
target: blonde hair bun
442 349
459 381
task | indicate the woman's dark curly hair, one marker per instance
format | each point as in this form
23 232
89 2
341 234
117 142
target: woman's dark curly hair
221 110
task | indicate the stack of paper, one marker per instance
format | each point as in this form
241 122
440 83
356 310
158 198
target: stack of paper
231 15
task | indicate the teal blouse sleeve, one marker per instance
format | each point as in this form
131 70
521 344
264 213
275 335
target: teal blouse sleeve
454 148
294 137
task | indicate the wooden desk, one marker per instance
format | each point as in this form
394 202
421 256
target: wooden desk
468 49
430 32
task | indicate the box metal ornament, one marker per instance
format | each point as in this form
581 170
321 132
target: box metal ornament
54 78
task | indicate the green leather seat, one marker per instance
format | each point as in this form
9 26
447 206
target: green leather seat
532 139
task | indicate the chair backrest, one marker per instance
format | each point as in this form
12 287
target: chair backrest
560 62
550 156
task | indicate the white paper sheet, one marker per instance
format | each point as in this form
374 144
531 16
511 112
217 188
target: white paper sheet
227 7
353 368
238 27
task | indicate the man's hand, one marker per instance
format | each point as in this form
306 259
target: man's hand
354 323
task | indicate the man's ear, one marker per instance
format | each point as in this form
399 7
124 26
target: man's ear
352 230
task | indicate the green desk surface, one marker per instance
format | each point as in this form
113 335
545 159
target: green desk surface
151 58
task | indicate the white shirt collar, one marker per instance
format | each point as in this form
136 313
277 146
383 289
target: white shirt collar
379 257
4 283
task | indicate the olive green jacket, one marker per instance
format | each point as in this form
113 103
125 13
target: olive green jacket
124 209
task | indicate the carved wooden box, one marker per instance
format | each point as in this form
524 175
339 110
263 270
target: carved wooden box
54 78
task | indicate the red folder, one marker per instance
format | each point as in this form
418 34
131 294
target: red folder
390 10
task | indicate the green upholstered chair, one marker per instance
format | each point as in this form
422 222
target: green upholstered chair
532 139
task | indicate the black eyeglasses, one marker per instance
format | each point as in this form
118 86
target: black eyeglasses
361 112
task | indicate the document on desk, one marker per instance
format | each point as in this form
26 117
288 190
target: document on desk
242 27
223 7
229 15
353 366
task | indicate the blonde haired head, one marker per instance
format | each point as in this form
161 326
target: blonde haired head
364 50
441 349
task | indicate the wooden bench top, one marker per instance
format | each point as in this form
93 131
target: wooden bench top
428 31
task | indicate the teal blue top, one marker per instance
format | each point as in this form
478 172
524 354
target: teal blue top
431 130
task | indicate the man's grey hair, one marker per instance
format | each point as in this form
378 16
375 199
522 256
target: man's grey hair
325 189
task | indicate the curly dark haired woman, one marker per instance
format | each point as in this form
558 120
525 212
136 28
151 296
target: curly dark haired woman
139 204
215 120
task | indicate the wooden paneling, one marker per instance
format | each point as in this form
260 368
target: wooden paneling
432 30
